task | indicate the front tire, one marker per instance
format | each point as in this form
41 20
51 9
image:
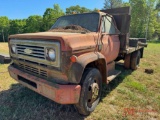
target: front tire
91 91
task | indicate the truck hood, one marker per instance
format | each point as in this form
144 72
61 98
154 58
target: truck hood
69 41
40 35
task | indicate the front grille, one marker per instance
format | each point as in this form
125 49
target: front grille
36 51
33 70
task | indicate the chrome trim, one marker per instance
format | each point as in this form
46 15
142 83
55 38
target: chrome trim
38 51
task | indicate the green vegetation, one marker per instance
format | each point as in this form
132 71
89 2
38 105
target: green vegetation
109 4
4 48
35 23
145 19
133 95
76 9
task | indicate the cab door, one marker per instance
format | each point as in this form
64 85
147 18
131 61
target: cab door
110 39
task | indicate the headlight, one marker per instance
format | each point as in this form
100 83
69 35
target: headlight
51 54
13 48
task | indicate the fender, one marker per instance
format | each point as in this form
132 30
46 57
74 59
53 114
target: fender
77 68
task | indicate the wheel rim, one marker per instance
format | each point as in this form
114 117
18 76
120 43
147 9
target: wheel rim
93 92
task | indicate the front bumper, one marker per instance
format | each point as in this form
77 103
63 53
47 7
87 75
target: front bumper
63 94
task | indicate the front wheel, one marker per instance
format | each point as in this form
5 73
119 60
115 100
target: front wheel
91 91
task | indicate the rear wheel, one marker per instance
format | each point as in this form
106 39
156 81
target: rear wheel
135 60
91 91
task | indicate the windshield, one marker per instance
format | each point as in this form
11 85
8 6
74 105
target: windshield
88 21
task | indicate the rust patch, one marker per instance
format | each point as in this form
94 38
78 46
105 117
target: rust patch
63 94
127 61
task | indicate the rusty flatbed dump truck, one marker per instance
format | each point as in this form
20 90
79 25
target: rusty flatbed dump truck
69 63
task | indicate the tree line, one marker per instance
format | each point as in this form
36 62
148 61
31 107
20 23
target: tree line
145 19
35 23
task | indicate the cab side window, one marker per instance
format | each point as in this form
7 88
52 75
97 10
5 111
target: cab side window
108 25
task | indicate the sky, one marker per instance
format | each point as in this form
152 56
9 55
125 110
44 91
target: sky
20 9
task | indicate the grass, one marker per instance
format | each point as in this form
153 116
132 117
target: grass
4 48
132 95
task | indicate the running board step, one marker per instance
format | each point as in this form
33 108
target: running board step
112 74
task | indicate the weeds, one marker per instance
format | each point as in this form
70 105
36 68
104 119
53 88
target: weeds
132 90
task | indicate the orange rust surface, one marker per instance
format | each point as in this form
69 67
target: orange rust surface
77 42
63 94
111 46
127 61
84 59
111 66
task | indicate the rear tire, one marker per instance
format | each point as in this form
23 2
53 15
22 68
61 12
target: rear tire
135 60
90 92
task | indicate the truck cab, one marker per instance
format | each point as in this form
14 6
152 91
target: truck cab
69 62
